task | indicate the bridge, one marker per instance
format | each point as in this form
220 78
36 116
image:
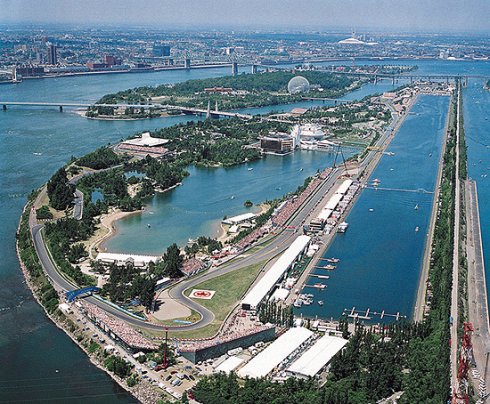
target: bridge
185 110
73 294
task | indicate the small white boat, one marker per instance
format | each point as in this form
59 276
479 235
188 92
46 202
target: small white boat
371 209
320 302
417 228
416 206
250 169
149 225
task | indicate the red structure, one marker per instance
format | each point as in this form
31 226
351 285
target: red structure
460 392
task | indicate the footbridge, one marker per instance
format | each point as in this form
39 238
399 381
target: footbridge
73 294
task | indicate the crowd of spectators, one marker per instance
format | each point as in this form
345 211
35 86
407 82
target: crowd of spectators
191 266
119 328
235 327
295 203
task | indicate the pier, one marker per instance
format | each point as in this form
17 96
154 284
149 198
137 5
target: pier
418 191
320 276
369 314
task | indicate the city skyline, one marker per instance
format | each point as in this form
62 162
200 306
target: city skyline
376 15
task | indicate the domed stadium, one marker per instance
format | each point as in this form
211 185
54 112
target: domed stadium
298 85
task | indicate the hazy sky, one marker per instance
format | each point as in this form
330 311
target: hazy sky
392 15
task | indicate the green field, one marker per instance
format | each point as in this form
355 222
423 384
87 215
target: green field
229 289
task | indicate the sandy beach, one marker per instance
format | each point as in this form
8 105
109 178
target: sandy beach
106 230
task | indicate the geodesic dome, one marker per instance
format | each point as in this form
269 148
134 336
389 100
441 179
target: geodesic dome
298 85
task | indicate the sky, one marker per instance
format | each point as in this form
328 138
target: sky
302 15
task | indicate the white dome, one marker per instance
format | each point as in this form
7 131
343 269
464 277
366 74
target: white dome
298 85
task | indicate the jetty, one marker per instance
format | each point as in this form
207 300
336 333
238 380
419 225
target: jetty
368 314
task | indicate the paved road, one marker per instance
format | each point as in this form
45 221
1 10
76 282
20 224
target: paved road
78 205
477 291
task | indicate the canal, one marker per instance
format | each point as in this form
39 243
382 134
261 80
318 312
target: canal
381 252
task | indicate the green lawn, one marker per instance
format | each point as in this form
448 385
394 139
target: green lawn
229 289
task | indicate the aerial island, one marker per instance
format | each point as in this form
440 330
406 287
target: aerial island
160 324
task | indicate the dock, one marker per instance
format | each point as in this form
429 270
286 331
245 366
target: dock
369 314
320 276
319 286
324 267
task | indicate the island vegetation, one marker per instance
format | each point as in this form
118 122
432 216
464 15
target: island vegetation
242 91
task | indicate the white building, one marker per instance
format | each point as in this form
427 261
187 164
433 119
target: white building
275 353
229 365
246 217
123 259
268 282
317 357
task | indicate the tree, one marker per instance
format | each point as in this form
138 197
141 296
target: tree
60 192
171 264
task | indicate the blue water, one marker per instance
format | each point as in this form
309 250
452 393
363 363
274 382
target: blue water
208 194
97 195
476 104
381 253
31 347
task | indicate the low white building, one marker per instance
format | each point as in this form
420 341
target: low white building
123 259
235 220
229 365
316 357
270 279
262 364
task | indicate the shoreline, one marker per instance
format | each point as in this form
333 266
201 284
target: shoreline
108 221
61 324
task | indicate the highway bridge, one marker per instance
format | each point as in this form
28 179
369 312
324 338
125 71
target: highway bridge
185 110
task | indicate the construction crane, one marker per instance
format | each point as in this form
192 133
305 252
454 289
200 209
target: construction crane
460 391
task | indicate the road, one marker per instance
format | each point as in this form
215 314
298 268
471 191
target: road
477 291
456 238
278 244
78 205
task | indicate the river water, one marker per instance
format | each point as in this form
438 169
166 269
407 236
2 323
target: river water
35 142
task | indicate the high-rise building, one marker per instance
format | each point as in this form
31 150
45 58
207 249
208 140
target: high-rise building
109 60
160 50
52 56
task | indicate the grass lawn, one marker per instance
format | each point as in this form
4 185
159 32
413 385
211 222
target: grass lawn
229 289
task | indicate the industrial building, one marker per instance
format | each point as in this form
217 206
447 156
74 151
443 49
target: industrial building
275 353
271 278
311 362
